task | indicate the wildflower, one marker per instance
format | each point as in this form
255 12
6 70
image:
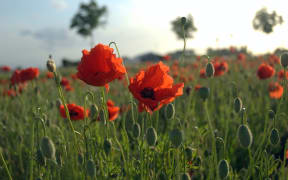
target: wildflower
280 74
113 110
49 75
16 78
241 57
64 82
29 74
5 68
10 93
197 87
100 66
154 87
76 112
275 90
265 71
68 88
220 68
202 73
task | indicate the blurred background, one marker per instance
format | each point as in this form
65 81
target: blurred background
32 29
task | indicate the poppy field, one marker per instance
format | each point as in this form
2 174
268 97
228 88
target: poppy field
221 117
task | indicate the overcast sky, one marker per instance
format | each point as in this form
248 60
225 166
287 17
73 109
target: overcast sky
32 29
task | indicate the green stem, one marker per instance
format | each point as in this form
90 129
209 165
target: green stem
184 48
32 153
5 166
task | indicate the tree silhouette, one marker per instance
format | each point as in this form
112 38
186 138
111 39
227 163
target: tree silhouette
263 21
88 18
189 27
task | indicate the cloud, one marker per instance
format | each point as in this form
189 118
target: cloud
51 37
59 4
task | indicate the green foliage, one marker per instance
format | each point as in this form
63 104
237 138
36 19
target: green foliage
265 21
189 27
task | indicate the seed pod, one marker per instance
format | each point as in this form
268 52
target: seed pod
169 111
136 130
91 169
223 169
176 137
183 21
80 158
51 66
93 112
189 153
210 70
185 176
274 137
151 136
40 159
237 105
48 148
107 146
245 136
284 60
271 114
204 92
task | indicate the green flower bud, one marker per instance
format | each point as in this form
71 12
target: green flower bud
107 146
204 92
185 176
223 169
91 169
210 70
169 111
136 130
284 60
237 105
48 148
189 153
274 137
151 136
40 159
176 137
245 136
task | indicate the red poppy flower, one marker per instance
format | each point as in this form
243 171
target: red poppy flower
64 81
16 78
265 71
76 112
202 73
68 88
9 92
5 68
112 110
275 90
197 87
74 76
49 75
280 74
29 74
273 59
154 88
100 66
220 68
241 57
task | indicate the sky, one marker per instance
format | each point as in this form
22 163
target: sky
32 29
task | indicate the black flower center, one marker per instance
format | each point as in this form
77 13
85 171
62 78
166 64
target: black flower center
148 93
73 113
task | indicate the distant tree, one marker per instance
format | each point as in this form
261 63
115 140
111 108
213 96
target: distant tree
265 22
88 18
189 27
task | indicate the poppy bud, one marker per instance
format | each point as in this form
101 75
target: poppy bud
223 169
183 21
107 146
274 137
136 130
245 136
80 158
40 159
169 111
51 65
204 92
176 137
271 114
93 111
284 60
151 136
210 70
237 105
185 176
47 147
90 167
189 153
